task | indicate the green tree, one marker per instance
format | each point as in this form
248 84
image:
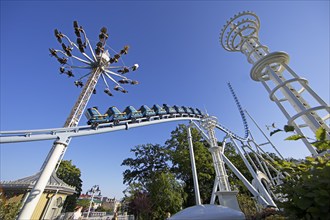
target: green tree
321 143
148 179
148 159
137 201
8 210
178 150
166 195
70 174
83 203
306 192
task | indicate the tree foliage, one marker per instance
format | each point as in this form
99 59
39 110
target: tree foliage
138 201
166 195
149 172
83 203
306 192
70 174
178 150
321 143
152 190
148 159
8 210
152 201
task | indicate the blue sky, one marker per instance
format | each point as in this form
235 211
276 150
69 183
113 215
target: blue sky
176 44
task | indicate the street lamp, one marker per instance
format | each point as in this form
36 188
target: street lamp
94 190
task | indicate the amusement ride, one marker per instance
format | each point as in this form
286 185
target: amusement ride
240 33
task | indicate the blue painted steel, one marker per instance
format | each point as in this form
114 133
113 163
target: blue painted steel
146 111
116 115
179 109
169 109
132 113
187 110
159 110
193 110
199 111
94 116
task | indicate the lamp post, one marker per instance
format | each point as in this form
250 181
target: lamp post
99 64
94 190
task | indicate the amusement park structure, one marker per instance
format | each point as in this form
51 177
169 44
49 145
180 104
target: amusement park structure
265 175
267 66
99 64
285 87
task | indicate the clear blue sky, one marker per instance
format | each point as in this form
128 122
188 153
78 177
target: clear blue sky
176 44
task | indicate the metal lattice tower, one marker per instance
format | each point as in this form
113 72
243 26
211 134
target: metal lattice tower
285 87
99 64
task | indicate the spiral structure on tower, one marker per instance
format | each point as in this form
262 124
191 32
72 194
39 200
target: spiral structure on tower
241 111
242 25
289 91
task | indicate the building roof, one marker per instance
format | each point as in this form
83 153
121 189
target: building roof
28 183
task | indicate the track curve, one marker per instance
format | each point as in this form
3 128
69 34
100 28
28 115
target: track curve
56 133
241 112
59 133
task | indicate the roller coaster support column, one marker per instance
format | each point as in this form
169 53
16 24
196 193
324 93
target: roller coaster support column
225 195
35 194
248 185
259 186
58 148
193 167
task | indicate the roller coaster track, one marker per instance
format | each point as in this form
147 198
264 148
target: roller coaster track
238 104
64 133
68 132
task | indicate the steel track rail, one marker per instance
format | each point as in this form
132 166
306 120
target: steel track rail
59 133
230 133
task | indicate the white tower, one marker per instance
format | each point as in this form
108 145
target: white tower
285 87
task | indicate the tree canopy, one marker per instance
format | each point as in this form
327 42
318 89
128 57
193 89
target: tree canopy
178 150
306 192
155 167
8 210
70 174
148 159
160 179
166 195
152 191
